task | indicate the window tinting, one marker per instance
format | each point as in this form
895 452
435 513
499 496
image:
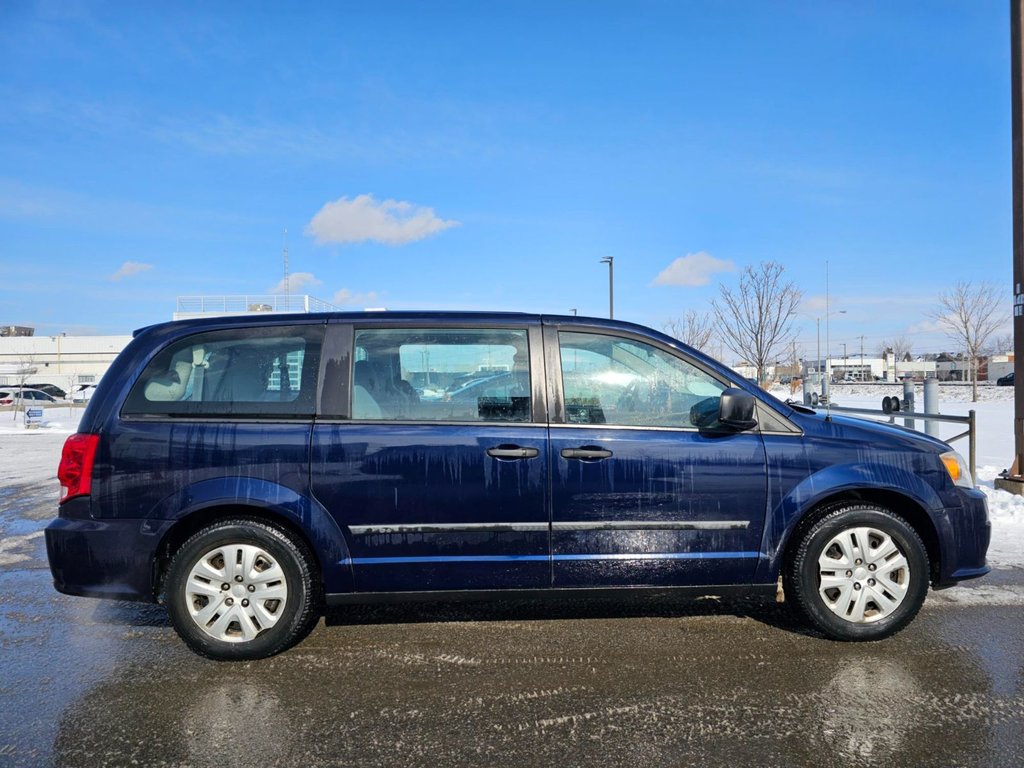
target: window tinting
423 374
249 372
612 380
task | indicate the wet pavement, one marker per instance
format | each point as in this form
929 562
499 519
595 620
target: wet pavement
624 682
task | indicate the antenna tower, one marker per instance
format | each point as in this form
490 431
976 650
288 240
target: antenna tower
287 285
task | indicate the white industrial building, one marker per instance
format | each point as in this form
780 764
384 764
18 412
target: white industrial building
61 360
869 368
69 360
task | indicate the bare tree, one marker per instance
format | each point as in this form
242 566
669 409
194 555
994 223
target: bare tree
971 314
25 367
900 349
756 321
1003 344
694 328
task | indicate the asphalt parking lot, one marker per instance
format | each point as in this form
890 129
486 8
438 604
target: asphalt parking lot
624 682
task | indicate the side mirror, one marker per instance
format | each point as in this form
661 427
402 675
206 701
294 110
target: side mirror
736 410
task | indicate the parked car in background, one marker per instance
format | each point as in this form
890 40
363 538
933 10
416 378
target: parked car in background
248 471
1005 381
16 396
51 389
82 392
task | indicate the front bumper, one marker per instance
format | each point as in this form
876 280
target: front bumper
966 542
103 558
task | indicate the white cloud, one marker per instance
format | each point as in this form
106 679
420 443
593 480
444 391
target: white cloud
392 222
130 268
347 298
297 281
693 269
928 325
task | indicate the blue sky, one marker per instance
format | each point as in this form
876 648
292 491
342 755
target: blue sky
487 155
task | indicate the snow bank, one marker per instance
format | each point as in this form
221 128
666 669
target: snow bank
59 419
32 455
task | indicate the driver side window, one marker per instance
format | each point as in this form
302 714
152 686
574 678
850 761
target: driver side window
613 380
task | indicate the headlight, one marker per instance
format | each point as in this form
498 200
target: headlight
958 470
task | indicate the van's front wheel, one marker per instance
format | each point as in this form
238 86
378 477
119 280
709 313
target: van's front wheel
859 573
241 590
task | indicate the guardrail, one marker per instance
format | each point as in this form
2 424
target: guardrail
970 420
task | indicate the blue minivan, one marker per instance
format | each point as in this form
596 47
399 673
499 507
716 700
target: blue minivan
249 471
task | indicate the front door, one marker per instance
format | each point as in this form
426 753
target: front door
640 495
438 472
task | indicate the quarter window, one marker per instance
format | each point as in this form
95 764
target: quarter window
423 374
613 380
251 372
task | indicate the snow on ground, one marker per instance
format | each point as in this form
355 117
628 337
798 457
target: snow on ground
30 456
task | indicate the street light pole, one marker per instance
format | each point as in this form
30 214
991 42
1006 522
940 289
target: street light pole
818 365
610 261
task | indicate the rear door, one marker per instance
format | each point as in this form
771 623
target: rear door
432 453
640 495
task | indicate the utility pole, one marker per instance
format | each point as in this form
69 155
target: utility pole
817 360
862 355
1014 482
610 261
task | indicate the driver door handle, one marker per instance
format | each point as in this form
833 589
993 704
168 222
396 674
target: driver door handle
512 452
586 452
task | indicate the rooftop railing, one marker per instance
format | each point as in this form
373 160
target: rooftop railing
252 303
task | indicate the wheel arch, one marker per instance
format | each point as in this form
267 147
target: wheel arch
897 503
194 521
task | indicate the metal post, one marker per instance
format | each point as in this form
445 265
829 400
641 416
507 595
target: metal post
817 360
931 405
972 445
807 390
908 399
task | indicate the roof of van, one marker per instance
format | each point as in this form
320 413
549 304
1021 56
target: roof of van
271 318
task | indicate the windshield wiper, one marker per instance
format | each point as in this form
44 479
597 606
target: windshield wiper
798 406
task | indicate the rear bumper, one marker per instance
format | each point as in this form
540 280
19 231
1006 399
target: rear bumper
103 558
967 540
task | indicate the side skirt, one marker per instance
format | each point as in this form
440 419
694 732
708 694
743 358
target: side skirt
574 593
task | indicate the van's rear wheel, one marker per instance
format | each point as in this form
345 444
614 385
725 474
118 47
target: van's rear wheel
859 573
241 590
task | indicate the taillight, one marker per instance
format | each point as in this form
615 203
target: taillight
75 471
6 401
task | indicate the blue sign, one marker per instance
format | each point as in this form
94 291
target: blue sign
33 416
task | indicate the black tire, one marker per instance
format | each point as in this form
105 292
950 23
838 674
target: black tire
294 616
803 575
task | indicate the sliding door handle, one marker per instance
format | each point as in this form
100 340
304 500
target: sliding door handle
586 453
512 452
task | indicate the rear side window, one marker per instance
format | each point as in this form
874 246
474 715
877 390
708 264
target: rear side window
423 374
245 372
